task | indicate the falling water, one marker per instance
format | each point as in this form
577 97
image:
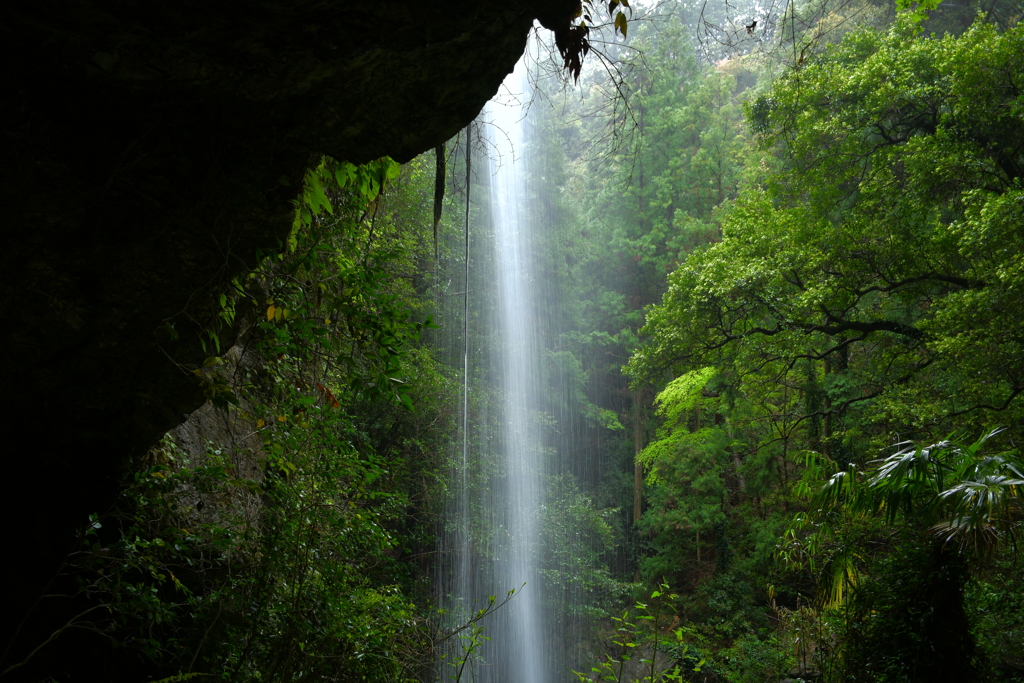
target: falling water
492 538
522 653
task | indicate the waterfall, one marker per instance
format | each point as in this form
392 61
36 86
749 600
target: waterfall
491 543
522 654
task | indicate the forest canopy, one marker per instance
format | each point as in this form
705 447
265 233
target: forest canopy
888 242
864 292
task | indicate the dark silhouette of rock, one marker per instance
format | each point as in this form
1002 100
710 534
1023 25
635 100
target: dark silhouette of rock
150 153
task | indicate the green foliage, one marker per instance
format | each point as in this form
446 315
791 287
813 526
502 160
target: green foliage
754 660
627 215
682 393
946 506
577 539
866 289
907 622
573 41
323 593
685 393
469 638
137 570
305 601
917 11
995 599
283 555
641 652
886 142
333 298
964 496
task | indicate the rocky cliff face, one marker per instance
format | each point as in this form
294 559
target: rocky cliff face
149 155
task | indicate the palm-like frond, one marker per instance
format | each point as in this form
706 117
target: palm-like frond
966 499
841 575
984 511
951 488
